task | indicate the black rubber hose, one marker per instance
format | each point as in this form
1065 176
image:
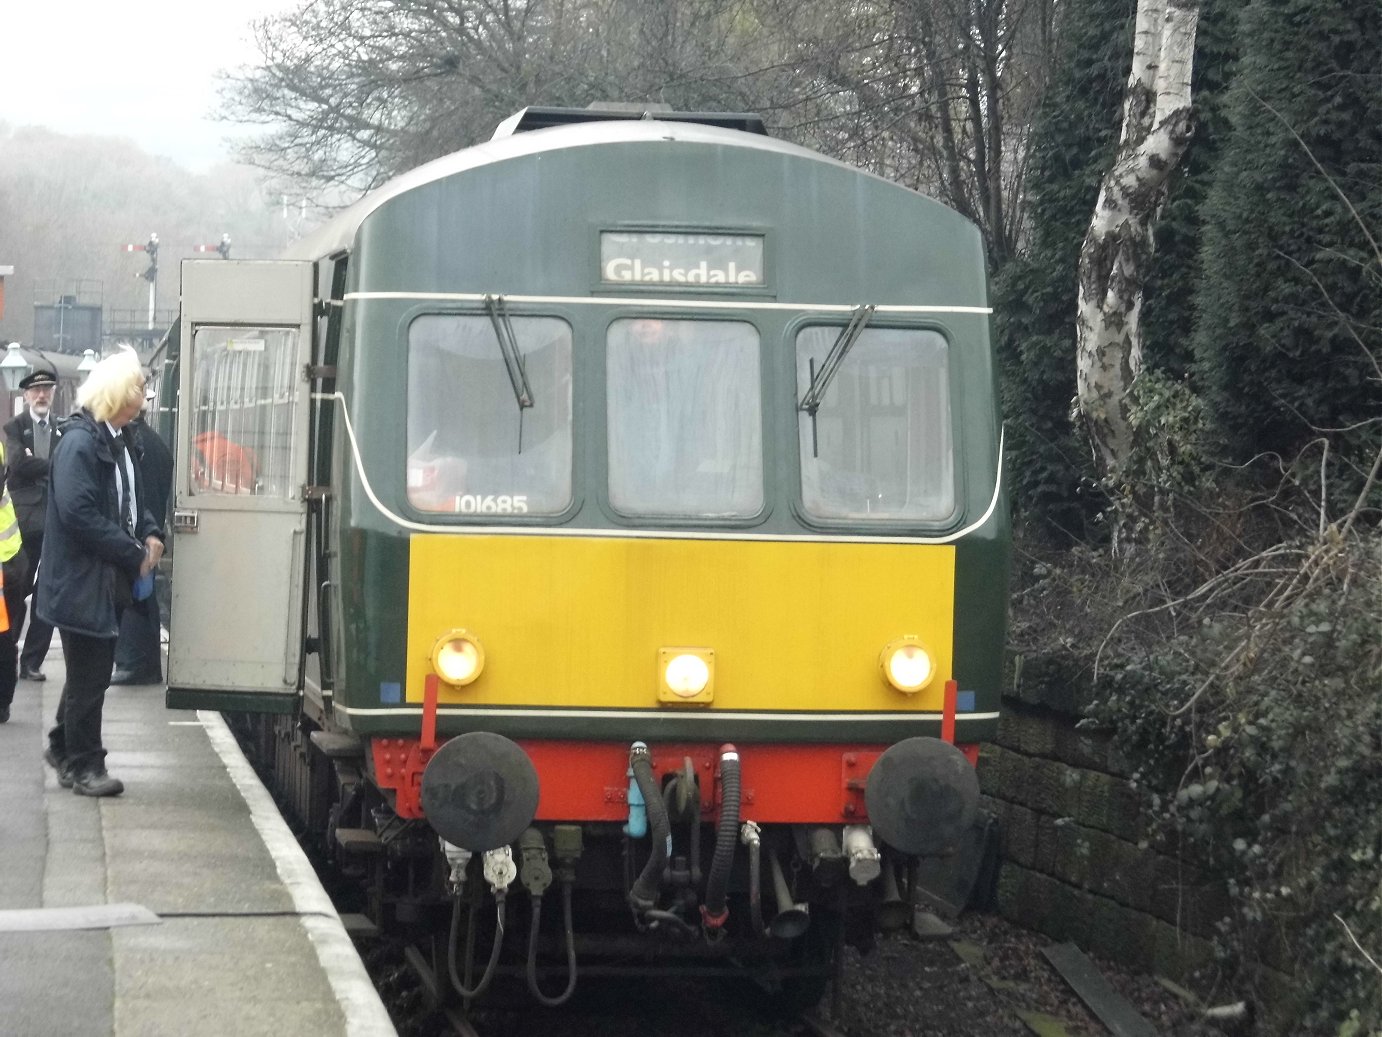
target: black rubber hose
570 934
690 816
669 793
756 888
713 911
643 895
695 809
493 954
669 921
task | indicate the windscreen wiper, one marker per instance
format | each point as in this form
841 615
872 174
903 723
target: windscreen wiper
821 379
513 358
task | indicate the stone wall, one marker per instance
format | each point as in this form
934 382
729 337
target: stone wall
1076 864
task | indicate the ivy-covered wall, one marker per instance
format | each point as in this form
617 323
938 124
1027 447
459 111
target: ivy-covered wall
1076 863
1082 858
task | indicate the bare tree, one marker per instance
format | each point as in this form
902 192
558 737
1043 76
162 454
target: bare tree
1117 250
937 94
352 92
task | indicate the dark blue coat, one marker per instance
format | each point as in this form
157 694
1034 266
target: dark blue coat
85 546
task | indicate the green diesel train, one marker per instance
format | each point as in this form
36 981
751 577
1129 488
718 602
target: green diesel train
616 504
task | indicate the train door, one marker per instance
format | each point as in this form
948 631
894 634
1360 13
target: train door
239 514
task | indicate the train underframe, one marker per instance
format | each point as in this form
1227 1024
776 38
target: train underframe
683 887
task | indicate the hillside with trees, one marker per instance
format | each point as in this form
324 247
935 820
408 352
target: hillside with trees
69 205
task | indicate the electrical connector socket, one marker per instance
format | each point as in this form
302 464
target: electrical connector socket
534 871
567 841
500 870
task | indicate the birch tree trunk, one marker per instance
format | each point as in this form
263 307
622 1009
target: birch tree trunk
1117 250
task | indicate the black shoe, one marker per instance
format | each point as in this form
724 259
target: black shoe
28 673
59 763
97 783
130 677
4 714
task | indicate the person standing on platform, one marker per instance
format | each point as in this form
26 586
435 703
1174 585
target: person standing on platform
99 537
137 652
29 441
12 573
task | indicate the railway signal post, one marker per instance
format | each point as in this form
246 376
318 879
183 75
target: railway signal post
150 274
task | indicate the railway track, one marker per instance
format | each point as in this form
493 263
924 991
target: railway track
818 1026
459 1024
806 1023
701 1012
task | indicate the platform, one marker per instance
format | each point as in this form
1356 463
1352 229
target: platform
184 906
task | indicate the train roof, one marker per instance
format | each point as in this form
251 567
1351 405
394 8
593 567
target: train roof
337 234
535 117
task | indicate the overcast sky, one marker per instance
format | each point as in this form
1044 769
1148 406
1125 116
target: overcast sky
144 70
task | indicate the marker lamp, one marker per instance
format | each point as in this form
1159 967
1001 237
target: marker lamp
457 657
686 674
907 665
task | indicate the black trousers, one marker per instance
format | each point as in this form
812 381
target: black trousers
77 734
16 575
40 636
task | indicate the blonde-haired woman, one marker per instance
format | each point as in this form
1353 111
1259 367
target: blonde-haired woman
99 537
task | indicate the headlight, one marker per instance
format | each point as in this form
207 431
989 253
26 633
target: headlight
457 657
907 665
686 674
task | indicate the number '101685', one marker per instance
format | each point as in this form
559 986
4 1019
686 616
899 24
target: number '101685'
492 504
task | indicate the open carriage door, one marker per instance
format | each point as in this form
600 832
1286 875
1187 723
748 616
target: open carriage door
239 517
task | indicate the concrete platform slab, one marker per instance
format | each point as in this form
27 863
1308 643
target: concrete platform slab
246 942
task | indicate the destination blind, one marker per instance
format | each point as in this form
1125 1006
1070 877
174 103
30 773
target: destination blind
693 260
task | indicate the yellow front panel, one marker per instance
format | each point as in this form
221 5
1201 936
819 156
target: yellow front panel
569 621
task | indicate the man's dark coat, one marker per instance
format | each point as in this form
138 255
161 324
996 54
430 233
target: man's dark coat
86 548
155 466
26 474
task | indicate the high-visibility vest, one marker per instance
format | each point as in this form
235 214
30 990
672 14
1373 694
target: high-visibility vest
10 541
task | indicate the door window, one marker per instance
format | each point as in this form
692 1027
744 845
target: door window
244 412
